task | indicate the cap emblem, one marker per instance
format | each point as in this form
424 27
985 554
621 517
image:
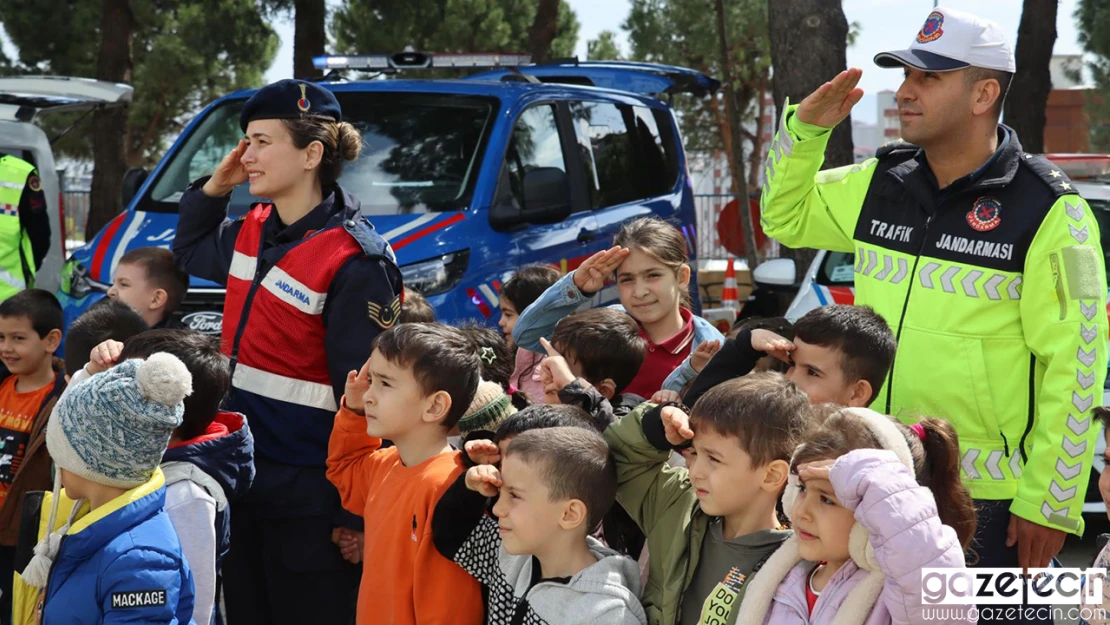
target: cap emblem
931 31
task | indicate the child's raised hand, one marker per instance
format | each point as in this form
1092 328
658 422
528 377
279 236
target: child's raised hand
104 356
664 396
556 365
591 274
772 344
358 382
483 451
816 470
484 479
676 425
703 354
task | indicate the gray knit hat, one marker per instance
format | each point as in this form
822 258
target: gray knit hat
113 428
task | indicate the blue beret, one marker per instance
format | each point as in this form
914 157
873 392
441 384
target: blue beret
290 99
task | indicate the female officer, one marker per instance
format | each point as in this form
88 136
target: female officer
309 286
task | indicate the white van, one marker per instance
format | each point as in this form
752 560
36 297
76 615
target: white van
23 101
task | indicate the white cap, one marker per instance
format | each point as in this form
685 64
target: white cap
952 40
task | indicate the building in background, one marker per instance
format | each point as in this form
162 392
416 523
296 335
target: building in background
1067 125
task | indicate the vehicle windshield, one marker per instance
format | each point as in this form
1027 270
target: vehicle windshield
420 154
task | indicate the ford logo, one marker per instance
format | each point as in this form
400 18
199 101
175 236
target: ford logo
204 322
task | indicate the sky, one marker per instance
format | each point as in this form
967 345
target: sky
884 25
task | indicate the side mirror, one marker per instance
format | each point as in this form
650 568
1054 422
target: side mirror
777 272
546 197
133 179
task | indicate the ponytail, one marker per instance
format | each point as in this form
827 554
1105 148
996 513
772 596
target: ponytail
940 473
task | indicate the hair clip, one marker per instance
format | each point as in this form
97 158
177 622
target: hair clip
488 355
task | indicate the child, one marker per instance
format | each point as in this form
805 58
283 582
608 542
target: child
872 502
839 355
147 280
526 286
592 358
536 559
1102 560
31 381
210 459
416 309
417 384
650 260
710 526
122 561
106 320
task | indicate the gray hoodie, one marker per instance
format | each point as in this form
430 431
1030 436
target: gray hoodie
604 593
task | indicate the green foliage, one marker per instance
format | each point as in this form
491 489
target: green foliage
1093 19
684 32
383 26
185 53
604 48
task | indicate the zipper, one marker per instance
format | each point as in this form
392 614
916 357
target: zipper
1032 406
905 305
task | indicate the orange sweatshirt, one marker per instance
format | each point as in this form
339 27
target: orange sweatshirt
405 580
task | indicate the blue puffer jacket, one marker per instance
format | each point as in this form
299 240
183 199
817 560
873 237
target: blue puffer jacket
122 563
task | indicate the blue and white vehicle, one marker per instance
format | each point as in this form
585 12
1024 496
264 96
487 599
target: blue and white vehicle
467 179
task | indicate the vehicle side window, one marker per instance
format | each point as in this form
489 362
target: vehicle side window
622 151
838 269
534 145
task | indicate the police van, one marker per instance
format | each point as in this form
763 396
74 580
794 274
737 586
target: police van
467 179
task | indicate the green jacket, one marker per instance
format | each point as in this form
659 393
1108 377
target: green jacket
996 290
661 500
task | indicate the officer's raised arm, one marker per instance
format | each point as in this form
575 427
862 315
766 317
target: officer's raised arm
801 205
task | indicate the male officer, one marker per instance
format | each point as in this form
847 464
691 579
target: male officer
24 225
985 262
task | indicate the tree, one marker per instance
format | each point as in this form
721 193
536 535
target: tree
185 53
544 29
809 46
309 32
604 48
374 26
1093 19
683 32
1033 80
113 64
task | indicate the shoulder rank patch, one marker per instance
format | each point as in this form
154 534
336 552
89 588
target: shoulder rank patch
385 316
138 599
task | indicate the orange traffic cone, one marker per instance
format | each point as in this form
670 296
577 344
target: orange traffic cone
730 295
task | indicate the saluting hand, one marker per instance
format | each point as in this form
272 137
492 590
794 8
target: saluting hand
833 101
229 174
591 274
484 479
104 356
358 382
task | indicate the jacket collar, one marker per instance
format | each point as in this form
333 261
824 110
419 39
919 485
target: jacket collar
97 528
229 459
998 171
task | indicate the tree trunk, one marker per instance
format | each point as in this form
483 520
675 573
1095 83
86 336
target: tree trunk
308 36
736 139
544 29
1025 111
809 46
113 64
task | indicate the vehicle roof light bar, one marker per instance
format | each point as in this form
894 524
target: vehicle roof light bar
418 60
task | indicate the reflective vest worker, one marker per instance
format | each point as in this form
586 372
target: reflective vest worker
24 225
986 264
310 284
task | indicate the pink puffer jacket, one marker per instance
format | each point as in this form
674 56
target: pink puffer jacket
900 517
